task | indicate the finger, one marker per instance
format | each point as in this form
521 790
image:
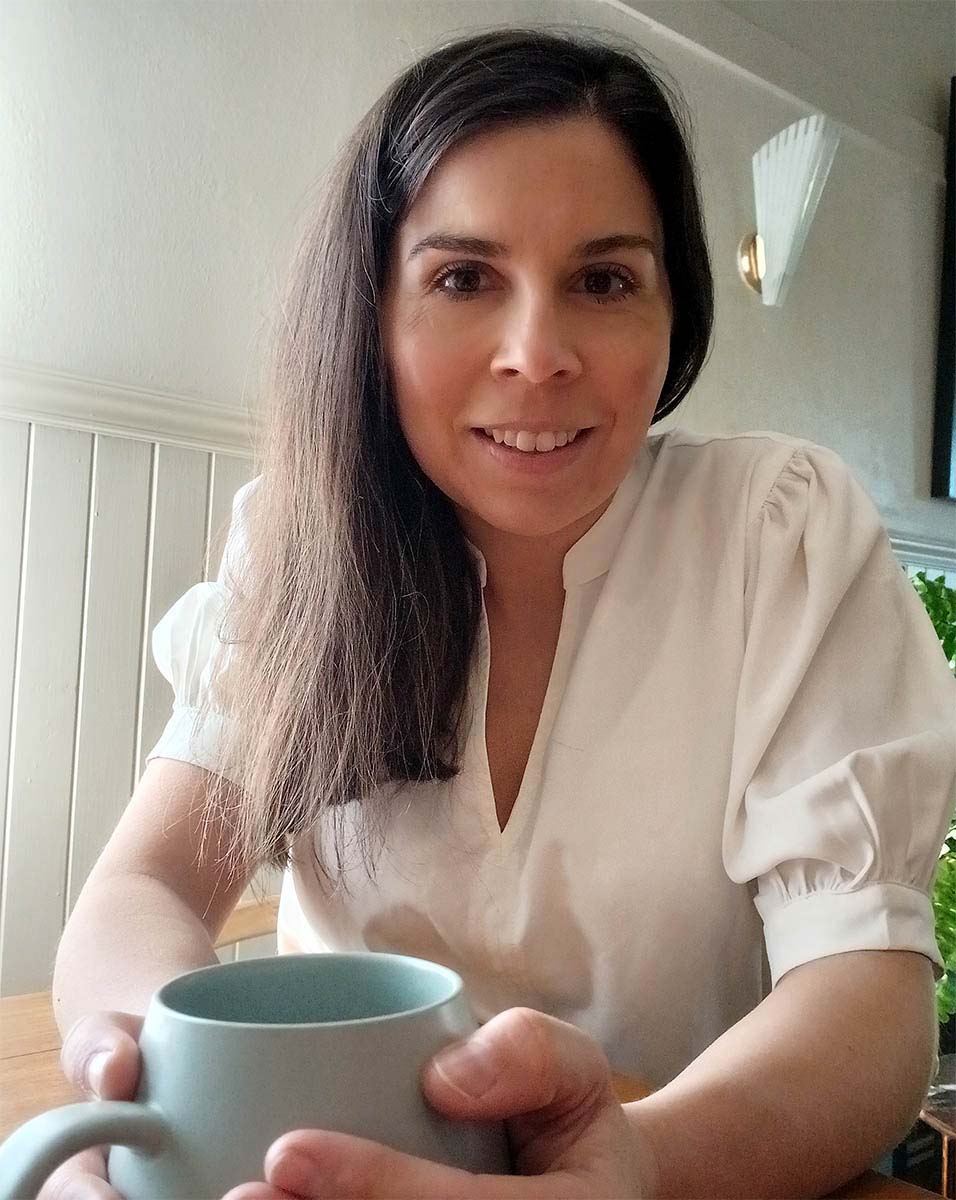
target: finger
322 1165
100 1055
256 1191
522 1061
81 1187
82 1177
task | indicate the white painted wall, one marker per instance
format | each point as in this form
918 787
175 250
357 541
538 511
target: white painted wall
154 158
850 359
156 155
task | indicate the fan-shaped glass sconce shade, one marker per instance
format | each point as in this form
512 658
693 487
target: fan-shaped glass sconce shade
789 172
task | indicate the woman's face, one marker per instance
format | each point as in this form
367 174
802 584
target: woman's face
498 315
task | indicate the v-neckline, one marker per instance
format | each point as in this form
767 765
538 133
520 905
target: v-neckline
503 835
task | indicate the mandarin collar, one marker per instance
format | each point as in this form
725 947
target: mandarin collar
592 554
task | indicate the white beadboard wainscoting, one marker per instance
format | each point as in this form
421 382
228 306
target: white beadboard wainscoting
112 503
102 528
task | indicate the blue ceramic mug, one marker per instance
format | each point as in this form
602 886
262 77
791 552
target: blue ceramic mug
235 1055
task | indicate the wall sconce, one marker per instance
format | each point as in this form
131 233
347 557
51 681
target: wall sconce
789 172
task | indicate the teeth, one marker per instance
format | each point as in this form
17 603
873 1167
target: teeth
529 443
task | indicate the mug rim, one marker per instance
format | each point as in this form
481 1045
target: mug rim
451 977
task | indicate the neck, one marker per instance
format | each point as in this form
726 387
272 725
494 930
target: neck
524 590
525 575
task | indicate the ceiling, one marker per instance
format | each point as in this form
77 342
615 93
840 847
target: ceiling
900 52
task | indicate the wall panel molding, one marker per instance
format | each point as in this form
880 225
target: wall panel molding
40 773
98 535
30 393
932 555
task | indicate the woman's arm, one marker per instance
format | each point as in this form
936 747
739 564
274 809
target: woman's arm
800 1096
808 1090
151 907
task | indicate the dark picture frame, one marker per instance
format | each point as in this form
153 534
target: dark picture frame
943 480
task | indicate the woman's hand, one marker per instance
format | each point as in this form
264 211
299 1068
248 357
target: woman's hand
546 1079
113 1077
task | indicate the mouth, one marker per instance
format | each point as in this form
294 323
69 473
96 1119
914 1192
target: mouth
534 461
562 435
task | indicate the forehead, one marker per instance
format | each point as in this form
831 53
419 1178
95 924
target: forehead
543 181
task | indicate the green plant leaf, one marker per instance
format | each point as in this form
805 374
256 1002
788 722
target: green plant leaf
946 997
940 602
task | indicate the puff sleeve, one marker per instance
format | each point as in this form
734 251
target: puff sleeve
188 651
843 775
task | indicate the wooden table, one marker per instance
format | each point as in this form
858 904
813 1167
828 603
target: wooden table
31 1081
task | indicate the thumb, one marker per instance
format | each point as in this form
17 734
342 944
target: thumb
521 1061
100 1055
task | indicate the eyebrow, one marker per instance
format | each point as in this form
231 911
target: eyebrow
462 244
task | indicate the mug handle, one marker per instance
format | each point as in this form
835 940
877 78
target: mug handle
34 1151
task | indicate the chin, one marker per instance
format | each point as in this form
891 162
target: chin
530 525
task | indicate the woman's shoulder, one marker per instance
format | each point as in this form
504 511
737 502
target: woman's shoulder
699 447
245 494
752 463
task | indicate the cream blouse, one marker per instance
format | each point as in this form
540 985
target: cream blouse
747 748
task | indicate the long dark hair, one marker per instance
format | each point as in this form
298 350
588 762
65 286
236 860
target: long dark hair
354 616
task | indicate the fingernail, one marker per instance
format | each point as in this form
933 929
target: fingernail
95 1071
468 1067
295 1172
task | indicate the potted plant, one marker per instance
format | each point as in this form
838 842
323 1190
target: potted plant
940 602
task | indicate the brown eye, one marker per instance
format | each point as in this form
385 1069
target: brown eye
628 285
468 273
468 276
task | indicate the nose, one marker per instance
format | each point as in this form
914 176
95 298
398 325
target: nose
535 344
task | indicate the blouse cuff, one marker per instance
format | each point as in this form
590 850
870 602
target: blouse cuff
879 916
202 746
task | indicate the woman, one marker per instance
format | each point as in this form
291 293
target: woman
515 686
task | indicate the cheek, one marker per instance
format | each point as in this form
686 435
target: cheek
415 357
653 364
431 386
634 380
653 371
425 408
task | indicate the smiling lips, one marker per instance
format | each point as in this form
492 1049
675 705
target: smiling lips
528 442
